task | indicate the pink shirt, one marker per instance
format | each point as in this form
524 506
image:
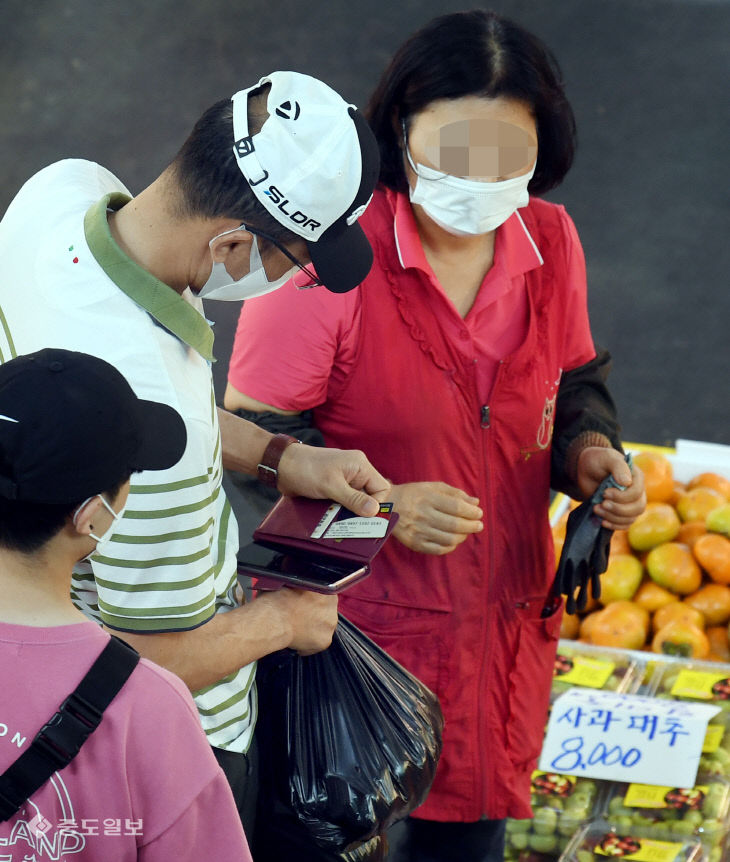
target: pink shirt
294 348
145 785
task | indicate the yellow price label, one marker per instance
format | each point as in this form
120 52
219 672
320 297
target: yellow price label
701 685
654 796
713 738
579 670
641 849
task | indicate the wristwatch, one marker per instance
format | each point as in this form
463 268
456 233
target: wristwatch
268 469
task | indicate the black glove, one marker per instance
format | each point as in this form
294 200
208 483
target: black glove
584 557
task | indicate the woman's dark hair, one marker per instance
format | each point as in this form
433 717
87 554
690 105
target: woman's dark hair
475 53
26 527
210 181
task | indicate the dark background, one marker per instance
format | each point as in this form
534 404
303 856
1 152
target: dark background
123 82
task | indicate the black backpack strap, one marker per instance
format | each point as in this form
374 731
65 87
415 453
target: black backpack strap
61 738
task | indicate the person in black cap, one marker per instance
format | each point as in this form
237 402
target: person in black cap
266 183
72 432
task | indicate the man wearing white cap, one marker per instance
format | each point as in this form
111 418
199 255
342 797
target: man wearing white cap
266 182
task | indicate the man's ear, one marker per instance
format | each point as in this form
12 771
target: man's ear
234 242
83 517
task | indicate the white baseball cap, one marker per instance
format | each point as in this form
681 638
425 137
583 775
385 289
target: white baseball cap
313 166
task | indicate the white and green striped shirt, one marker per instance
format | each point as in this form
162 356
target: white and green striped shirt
65 283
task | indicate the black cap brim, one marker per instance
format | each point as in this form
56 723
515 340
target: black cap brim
342 256
343 260
162 436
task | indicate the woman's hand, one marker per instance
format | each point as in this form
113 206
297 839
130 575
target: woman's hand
434 518
619 509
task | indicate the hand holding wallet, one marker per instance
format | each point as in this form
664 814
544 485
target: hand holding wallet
323 527
314 544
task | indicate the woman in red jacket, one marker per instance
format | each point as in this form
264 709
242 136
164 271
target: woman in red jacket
464 366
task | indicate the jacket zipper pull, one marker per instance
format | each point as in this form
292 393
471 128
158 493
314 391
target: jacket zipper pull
485 416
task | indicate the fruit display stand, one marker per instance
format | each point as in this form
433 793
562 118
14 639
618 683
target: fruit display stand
596 842
579 819
615 646
705 682
667 586
596 667
670 814
561 804
703 811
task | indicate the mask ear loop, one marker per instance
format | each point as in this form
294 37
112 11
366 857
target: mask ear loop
414 167
218 236
108 506
76 514
254 257
80 507
255 263
407 151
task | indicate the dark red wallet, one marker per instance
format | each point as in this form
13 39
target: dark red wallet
293 520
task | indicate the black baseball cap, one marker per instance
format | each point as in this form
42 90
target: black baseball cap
71 427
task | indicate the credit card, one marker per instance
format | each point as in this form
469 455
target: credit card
359 527
325 521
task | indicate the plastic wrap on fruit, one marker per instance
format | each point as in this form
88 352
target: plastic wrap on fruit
351 740
699 811
584 557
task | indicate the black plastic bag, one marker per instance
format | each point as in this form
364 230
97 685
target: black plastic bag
349 745
374 850
280 836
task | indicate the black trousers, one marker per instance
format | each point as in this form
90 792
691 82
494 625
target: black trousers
414 840
242 772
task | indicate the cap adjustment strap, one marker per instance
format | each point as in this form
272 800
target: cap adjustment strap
243 147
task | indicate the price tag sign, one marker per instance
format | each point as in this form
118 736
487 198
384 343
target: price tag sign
592 673
713 738
643 850
625 737
701 685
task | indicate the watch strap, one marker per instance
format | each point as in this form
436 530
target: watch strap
268 467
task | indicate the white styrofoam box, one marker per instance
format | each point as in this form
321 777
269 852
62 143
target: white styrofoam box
692 457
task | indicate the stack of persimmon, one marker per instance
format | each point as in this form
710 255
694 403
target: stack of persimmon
667 586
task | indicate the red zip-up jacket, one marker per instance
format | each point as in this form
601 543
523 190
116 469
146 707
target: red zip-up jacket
467 623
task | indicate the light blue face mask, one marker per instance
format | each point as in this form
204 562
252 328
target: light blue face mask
220 284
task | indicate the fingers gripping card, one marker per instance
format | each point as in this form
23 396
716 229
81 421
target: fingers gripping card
324 527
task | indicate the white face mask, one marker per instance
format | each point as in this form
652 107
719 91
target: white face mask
102 541
467 207
220 284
